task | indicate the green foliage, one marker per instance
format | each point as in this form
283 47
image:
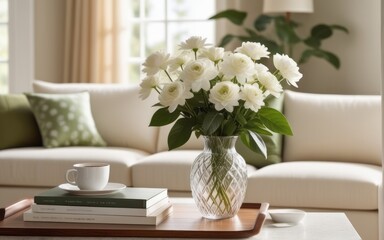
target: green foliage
163 117
180 133
206 121
287 37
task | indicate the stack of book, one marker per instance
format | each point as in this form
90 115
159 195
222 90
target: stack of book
146 206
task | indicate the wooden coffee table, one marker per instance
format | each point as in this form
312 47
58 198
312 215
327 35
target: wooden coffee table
184 222
252 222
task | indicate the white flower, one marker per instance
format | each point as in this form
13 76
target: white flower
176 63
156 62
253 96
237 65
174 94
254 50
288 68
193 43
260 68
147 84
225 95
197 74
270 83
215 54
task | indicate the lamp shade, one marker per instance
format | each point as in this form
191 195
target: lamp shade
303 6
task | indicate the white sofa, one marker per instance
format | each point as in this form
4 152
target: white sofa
332 163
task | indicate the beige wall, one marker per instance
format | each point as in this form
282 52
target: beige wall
359 50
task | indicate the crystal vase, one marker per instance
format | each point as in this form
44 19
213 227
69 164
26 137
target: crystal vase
219 178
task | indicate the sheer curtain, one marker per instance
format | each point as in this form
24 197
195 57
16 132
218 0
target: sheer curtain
94 42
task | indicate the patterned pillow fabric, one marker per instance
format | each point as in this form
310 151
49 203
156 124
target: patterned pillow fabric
65 119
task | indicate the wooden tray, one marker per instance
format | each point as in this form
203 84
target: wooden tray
184 222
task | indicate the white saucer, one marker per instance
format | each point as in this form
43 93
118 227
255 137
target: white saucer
110 188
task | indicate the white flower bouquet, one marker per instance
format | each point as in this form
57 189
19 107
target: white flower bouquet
212 92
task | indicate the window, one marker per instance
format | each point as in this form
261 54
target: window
4 56
153 25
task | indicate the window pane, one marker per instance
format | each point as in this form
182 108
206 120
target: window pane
179 32
3 78
3 10
190 9
3 43
134 72
155 9
154 37
134 42
132 8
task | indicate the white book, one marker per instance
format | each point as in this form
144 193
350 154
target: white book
38 208
153 219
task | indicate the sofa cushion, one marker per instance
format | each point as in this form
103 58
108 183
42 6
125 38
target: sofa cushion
170 169
326 127
46 167
18 126
65 119
121 118
330 185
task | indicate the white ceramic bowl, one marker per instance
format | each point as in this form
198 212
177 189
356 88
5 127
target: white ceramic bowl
287 215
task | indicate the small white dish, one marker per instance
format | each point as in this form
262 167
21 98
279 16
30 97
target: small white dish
291 216
110 188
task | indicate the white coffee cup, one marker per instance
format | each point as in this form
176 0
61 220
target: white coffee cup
88 176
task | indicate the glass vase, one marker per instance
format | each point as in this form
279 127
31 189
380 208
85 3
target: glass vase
219 178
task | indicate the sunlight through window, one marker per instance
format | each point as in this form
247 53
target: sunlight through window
152 25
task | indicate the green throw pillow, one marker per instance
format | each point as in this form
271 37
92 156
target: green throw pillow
273 143
18 127
65 119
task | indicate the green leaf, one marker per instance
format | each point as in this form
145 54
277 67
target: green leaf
339 27
328 56
255 125
275 121
312 42
241 119
251 33
212 122
236 17
321 31
226 39
163 117
262 22
286 31
180 132
254 142
229 128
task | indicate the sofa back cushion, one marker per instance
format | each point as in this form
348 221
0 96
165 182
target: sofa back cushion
121 117
326 127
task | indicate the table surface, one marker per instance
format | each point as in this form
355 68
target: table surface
315 226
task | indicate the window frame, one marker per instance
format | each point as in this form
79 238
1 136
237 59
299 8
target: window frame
21 46
142 21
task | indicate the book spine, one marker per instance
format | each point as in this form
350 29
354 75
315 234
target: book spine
92 202
87 218
99 210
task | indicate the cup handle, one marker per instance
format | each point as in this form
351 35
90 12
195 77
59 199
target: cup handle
68 176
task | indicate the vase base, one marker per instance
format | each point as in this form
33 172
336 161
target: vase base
215 217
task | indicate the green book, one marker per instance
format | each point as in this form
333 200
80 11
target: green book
130 197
